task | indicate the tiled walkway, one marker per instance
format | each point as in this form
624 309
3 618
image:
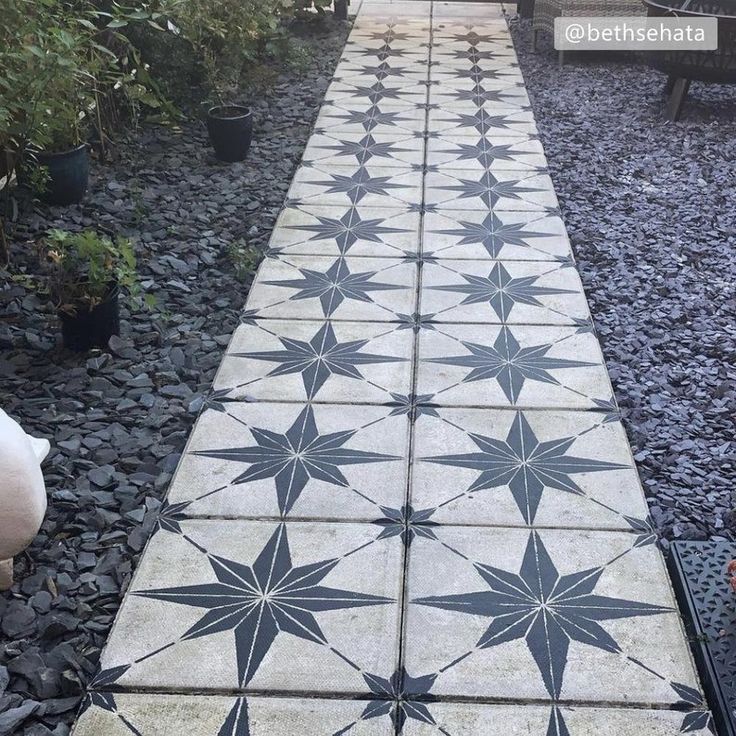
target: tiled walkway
410 506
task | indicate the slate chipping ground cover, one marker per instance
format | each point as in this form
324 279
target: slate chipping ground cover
307 556
118 419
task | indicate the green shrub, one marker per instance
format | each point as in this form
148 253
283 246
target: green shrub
81 267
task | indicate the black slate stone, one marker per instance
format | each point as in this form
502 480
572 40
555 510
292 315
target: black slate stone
118 418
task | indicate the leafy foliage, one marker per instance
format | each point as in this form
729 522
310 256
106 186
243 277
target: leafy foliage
82 267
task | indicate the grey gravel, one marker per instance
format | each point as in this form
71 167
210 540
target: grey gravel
118 418
649 206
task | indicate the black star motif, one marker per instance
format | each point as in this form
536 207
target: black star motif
394 698
372 117
545 608
365 149
320 358
524 464
501 291
260 601
335 285
478 74
388 36
357 185
295 457
407 523
348 229
381 71
483 121
413 405
473 39
475 55
509 364
489 189
492 234
484 152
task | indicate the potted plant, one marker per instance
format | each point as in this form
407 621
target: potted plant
224 36
230 126
85 273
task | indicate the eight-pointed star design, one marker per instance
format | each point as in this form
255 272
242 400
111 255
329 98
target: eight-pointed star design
319 358
295 457
394 697
501 291
524 464
365 149
260 601
483 151
492 234
545 608
347 230
509 363
357 185
334 285
490 190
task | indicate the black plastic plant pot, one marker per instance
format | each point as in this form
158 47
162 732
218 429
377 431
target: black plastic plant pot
68 174
230 128
707 601
91 328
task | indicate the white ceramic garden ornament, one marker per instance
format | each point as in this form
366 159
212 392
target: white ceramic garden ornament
22 492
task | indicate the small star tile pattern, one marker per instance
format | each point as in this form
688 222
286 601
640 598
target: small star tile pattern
356 230
303 608
481 191
569 469
513 613
293 460
364 92
387 116
495 95
504 720
123 714
390 151
521 366
487 153
342 288
369 184
505 234
341 362
503 292
469 115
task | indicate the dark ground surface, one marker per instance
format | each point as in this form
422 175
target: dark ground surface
118 419
651 211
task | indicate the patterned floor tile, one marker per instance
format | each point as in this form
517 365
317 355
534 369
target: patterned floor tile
363 93
485 153
547 468
258 606
344 362
479 234
512 292
544 615
520 366
471 719
356 230
371 70
368 184
497 188
475 120
467 95
346 288
251 460
391 151
392 117
475 73
124 714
